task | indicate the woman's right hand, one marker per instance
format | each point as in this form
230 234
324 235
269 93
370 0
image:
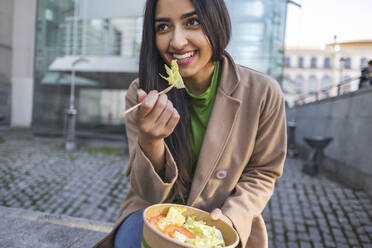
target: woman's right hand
156 119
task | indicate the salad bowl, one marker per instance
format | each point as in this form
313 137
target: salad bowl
152 237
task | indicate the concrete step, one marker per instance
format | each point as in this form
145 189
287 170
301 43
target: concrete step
21 228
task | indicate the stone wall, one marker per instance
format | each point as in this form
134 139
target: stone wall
348 119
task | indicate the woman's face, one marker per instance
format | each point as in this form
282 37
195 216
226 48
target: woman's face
180 36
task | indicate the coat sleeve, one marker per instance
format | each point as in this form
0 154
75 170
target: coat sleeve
144 180
257 181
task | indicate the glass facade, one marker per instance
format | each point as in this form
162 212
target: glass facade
258 30
107 40
101 41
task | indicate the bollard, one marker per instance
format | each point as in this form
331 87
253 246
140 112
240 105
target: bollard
318 144
1 119
291 139
70 136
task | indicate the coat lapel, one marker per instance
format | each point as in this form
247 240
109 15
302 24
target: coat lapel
219 129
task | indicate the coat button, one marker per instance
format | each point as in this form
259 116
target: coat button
221 174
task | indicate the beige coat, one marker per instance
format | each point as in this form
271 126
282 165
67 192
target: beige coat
242 155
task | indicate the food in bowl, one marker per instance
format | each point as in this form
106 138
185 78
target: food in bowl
187 230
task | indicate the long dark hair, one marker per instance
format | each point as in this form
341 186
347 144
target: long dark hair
215 21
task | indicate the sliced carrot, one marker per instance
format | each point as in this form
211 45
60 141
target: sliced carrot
171 229
154 221
185 232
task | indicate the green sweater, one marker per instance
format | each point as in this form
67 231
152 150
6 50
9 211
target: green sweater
201 109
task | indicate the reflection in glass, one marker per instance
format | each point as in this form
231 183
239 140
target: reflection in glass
258 34
110 46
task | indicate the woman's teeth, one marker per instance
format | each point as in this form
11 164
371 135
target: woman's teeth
183 56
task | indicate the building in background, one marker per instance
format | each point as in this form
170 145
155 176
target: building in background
311 73
52 35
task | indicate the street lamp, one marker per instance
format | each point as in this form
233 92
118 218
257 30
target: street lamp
342 66
71 111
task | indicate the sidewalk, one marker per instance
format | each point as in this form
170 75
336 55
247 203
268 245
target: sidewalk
29 229
37 174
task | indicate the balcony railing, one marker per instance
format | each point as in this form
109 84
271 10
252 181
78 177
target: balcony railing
343 87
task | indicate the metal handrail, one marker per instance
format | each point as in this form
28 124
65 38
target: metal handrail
326 90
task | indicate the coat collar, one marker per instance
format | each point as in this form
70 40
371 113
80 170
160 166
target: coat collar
219 128
229 74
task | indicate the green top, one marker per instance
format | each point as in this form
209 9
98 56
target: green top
201 109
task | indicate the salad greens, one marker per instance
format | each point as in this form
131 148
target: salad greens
187 230
174 77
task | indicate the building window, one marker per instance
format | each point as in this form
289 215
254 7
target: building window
313 62
313 84
363 63
326 82
288 84
287 62
347 63
299 84
327 62
301 62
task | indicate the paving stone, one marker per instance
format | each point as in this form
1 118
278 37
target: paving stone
38 174
304 244
292 236
364 238
292 245
304 236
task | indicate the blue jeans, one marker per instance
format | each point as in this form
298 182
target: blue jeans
129 234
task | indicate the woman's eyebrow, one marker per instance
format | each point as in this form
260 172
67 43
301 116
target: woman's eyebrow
166 19
188 14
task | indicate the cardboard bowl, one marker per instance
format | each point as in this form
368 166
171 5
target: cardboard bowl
152 238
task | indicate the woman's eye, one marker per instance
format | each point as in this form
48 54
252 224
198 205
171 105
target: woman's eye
193 22
162 28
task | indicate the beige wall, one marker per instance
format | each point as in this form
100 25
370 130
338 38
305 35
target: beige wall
6 22
23 62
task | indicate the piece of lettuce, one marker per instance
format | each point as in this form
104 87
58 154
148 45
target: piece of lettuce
175 216
206 236
174 77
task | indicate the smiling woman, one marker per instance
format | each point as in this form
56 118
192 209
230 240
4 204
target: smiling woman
218 145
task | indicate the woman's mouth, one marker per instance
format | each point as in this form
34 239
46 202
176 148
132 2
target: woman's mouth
184 59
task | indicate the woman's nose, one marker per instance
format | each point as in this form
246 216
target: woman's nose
179 40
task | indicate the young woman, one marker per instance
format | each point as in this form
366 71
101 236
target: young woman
217 145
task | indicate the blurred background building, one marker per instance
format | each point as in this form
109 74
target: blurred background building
313 73
41 41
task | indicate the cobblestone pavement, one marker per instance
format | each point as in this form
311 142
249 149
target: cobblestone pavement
37 174
316 212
